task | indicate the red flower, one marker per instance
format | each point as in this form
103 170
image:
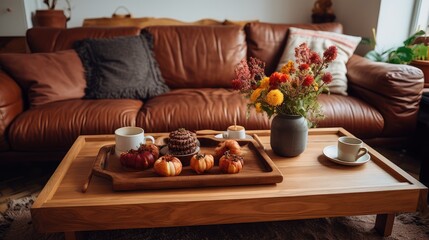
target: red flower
276 78
315 58
330 54
236 84
302 54
308 80
303 66
327 77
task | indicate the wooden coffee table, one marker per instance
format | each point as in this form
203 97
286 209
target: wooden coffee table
312 187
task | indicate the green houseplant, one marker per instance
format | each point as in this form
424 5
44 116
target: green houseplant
412 52
404 54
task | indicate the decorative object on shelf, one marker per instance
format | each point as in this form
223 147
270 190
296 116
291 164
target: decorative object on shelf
51 17
290 95
117 15
322 12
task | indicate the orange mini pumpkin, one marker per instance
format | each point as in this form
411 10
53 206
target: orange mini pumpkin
231 163
201 163
168 166
229 145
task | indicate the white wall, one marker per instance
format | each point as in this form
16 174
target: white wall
394 23
348 12
12 18
391 18
358 18
276 11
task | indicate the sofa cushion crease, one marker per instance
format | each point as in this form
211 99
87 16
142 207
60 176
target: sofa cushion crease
55 126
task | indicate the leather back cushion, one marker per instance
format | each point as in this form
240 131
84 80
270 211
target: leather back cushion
56 39
46 77
267 41
198 56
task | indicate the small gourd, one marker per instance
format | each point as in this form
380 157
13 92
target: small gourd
201 163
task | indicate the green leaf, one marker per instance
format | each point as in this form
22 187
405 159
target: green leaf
374 56
420 52
413 37
403 55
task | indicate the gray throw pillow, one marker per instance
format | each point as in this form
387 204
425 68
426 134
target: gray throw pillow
120 67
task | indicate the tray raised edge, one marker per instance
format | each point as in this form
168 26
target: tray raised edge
120 182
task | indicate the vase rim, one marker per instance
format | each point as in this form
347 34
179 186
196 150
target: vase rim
289 115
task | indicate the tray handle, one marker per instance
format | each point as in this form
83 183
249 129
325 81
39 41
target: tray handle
98 165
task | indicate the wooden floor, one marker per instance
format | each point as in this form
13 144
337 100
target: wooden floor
17 181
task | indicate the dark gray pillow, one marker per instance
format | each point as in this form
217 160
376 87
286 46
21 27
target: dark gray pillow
120 67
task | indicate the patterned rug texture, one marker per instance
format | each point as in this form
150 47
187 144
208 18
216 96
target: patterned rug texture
15 224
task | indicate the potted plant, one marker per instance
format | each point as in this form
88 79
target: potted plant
415 52
51 17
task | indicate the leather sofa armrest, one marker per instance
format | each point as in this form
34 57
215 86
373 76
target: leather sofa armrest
393 89
11 104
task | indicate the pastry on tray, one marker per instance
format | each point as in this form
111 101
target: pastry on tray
182 142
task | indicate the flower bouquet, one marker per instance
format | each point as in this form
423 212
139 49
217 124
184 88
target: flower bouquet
290 95
291 91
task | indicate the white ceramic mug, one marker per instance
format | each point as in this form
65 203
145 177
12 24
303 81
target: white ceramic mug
235 132
350 149
127 138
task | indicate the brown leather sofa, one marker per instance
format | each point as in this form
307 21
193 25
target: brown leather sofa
382 103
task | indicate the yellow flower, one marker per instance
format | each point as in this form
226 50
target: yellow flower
275 97
288 68
265 82
316 86
258 107
255 94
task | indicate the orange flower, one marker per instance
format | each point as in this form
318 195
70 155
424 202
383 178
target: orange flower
288 68
265 82
255 94
258 107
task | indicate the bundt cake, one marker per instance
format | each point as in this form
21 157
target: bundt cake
182 142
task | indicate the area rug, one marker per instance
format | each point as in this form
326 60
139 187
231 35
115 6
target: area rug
15 224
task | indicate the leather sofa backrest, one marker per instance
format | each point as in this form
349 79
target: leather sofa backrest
198 56
56 39
267 41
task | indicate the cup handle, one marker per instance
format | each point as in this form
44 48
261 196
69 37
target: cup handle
149 137
362 151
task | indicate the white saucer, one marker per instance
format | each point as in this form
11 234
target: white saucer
220 135
332 154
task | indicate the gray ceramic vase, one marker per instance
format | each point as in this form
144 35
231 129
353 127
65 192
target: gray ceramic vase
288 135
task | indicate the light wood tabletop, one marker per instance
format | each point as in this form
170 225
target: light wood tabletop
312 187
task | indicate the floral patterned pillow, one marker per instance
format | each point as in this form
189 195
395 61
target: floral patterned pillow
318 41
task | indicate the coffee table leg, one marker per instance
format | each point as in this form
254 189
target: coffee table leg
384 224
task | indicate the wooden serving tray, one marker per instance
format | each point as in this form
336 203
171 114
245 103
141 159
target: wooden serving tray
258 169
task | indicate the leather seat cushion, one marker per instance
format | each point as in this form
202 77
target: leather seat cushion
354 115
197 109
55 126
208 110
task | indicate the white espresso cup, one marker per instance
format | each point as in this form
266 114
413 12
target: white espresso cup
127 138
350 149
235 132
